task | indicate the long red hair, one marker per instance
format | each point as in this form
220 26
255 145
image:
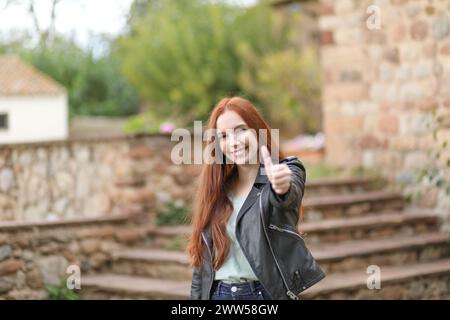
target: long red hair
211 203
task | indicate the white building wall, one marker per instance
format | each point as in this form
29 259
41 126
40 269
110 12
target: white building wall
34 118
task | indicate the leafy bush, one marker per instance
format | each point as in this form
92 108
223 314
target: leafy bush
61 292
182 55
173 213
94 84
146 122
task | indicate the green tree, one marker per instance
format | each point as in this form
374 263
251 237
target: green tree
95 85
284 79
183 56
287 85
180 56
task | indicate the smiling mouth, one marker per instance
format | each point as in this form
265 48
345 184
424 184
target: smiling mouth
239 152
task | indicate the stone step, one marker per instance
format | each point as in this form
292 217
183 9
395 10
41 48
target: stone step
371 226
115 286
332 257
318 208
429 280
153 263
391 251
340 185
325 185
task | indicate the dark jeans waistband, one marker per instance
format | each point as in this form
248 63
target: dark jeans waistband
249 286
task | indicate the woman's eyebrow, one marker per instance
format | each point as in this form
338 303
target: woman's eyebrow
240 125
236 127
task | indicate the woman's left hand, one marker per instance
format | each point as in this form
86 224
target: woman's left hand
279 174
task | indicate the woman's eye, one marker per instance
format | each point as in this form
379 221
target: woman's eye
238 131
241 130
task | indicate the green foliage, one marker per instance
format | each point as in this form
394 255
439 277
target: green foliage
183 56
288 86
434 173
285 80
172 214
61 292
146 122
95 85
180 56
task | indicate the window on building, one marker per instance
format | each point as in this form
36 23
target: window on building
3 121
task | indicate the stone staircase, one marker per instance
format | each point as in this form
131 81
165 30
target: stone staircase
349 225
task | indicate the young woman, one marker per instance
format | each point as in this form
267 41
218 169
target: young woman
245 244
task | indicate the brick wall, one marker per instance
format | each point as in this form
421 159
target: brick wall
386 92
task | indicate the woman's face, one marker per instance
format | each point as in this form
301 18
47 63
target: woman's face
237 141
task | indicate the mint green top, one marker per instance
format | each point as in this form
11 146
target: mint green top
236 267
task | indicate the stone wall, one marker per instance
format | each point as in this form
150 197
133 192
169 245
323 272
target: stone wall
36 255
87 178
75 202
386 92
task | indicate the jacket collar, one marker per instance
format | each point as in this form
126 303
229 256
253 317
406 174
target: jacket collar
261 178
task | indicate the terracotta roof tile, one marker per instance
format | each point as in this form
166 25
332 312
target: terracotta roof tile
20 78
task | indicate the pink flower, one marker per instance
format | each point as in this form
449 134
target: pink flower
166 127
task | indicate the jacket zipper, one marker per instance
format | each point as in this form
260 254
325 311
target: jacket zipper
290 294
212 267
272 226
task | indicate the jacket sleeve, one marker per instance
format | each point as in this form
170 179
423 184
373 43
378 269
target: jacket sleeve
293 197
196 286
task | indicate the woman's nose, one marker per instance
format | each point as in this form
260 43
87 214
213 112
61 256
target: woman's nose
234 141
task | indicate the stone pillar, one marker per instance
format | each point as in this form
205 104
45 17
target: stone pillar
386 92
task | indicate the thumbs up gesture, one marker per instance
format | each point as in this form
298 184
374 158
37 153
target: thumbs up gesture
279 174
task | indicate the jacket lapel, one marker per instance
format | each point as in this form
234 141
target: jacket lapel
248 203
260 180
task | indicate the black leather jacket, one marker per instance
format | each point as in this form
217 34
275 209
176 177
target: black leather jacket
267 233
